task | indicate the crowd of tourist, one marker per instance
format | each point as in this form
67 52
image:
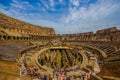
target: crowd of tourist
31 71
61 74
58 73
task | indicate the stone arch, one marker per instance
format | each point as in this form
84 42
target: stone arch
8 37
4 37
17 38
111 38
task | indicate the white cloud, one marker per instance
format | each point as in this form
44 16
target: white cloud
93 12
21 5
102 14
51 3
75 2
46 5
60 1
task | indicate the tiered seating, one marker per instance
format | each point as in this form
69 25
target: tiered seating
108 49
114 57
115 53
11 51
93 61
24 35
10 33
2 33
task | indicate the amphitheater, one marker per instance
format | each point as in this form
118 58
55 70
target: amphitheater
29 51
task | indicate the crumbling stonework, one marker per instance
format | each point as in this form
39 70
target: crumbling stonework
100 35
14 29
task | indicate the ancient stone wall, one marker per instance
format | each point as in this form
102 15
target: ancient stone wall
100 35
15 28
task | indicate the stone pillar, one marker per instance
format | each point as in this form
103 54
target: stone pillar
0 37
11 37
8 37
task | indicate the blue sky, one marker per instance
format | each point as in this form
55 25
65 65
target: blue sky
65 16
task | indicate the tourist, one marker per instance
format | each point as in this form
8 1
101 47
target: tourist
54 73
65 72
72 78
41 78
88 76
82 77
68 78
50 78
60 75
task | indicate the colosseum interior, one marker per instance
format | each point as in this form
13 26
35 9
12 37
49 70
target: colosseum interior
28 51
